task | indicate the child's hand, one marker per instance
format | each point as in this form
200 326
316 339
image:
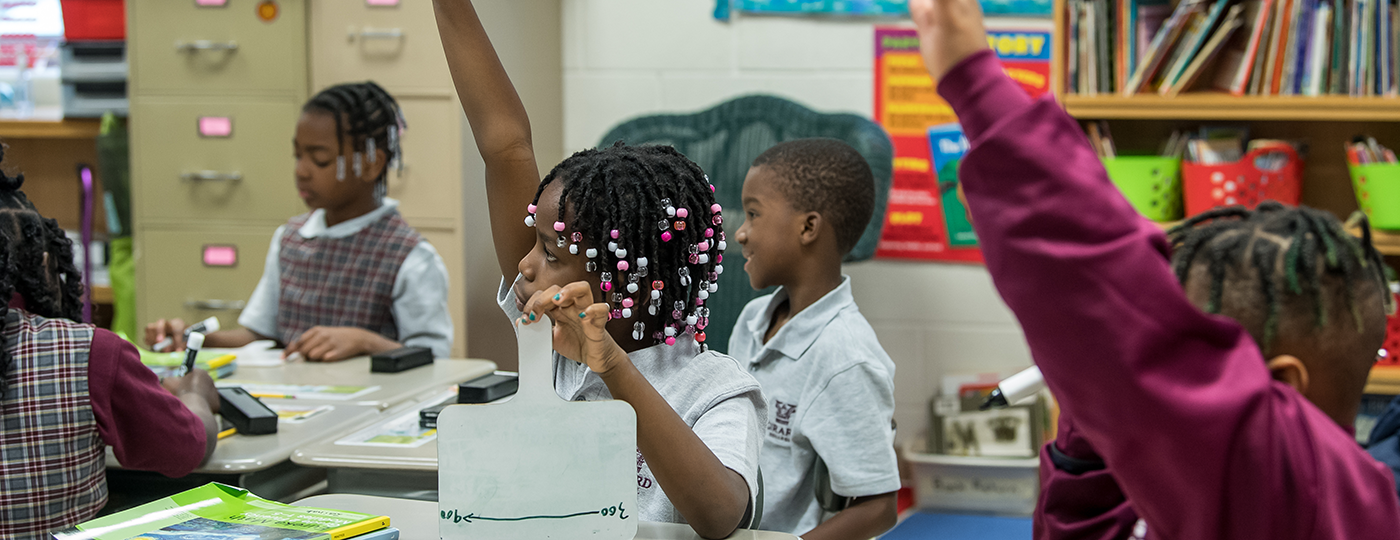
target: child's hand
334 343
197 382
949 31
580 326
167 328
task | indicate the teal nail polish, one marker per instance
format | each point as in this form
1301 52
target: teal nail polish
532 316
556 297
582 315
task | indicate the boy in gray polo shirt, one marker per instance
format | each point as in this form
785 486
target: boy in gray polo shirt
829 384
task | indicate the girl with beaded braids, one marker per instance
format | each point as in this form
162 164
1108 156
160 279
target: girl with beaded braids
620 248
351 277
69 390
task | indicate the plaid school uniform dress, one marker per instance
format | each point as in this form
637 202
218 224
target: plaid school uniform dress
345 281
52 458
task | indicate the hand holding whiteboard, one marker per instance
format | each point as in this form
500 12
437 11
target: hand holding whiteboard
537 466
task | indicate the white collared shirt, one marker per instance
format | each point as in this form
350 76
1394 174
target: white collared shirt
830 389
420 288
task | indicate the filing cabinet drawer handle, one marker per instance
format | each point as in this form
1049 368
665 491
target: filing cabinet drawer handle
216 305
205 45
369 33
211 176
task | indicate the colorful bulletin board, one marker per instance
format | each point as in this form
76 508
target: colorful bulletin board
878 8
928 143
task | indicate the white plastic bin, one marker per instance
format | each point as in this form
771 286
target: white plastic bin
1007 486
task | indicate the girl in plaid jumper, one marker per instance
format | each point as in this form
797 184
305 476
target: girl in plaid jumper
69 390
351 277
620 247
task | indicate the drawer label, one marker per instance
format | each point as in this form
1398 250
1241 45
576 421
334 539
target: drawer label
381 2
211 3
220 255
215 126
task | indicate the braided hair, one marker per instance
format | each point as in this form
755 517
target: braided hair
654 211
1290 251
53 289
371 119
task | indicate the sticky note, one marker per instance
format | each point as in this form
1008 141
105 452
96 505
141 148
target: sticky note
215 126
217 255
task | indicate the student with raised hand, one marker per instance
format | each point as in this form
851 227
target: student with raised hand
619 247
70 390
1206 396
351 277
829 383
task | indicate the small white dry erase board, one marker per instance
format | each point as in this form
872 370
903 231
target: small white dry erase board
537 466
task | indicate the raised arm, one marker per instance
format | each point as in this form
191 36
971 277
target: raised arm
499 125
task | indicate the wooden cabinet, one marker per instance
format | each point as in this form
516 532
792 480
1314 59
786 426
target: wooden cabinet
192 189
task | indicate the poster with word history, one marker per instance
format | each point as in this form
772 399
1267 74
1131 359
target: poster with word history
925 220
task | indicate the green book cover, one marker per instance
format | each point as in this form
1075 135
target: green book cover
220 511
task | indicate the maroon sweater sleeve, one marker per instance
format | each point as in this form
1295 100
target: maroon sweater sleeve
1179 403
148 428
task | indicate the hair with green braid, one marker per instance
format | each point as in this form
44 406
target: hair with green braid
1278 258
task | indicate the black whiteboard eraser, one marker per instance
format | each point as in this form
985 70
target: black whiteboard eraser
488 388
249 415
400 359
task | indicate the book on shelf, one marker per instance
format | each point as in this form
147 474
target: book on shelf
1236 47
219 511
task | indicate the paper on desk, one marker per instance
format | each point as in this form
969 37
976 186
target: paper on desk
402 431
295 414
321 392
256 354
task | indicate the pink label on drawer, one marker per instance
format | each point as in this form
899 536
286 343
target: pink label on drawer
215 126
210 2
382 2
215 255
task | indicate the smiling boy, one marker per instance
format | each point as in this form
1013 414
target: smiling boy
829 383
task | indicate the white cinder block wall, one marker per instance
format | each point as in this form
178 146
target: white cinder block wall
626 58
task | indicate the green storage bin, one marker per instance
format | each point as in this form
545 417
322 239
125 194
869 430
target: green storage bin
1151 183
1378 193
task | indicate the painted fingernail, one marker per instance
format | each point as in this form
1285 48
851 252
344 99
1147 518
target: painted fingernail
582 315
532 316
556 297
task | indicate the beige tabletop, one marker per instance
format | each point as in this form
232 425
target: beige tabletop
394 388
332 453
248 453
418 520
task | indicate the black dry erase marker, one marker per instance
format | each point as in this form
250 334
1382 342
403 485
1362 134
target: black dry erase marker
192 347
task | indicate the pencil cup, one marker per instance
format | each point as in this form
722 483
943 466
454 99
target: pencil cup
1378 193
1151 183
1274 173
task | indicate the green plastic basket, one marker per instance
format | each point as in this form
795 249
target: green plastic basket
1378 193
1151 183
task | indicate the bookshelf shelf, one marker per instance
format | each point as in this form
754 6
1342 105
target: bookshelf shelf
1213 106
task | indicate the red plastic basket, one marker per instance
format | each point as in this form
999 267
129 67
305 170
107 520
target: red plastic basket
1243 182
94 20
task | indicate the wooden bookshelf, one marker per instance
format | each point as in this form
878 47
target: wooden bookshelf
1215 106
50 129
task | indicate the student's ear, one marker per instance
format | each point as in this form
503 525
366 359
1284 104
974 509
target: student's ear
373 170
1289 370
811 227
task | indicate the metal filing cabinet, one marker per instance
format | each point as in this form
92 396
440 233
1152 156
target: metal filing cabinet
202 198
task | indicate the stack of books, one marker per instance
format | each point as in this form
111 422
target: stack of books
219 365
1240 47
1366 151
220 511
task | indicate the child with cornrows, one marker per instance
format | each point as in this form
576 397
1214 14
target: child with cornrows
68 391
1208 380
620 247
351 277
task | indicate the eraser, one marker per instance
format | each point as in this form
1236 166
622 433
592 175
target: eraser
246 412
400 359
488 388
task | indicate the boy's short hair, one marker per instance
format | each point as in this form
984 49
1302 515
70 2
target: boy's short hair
1293 277
829 177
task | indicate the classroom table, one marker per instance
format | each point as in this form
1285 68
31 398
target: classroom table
418 520
931 524
394 388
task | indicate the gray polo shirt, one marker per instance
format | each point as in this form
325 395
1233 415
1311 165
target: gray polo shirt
711 393
830 388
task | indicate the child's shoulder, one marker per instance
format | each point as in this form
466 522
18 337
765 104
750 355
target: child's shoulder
848 339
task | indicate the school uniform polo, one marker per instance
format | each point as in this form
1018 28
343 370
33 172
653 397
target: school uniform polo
1176 405
356 282
720 402
830 389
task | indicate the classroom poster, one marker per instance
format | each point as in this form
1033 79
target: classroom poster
925 168
887 8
